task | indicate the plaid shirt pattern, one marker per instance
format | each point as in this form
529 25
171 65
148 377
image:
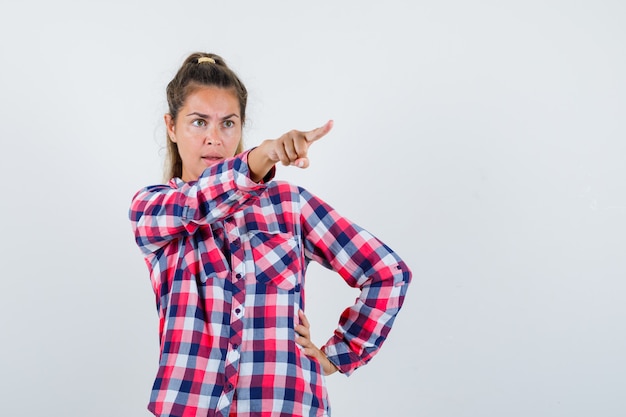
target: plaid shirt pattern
227 260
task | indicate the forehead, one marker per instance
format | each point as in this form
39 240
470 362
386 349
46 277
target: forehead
212 98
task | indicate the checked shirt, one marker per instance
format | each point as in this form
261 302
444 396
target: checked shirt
227 260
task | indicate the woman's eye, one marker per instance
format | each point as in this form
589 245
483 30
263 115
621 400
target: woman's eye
199 123
229 123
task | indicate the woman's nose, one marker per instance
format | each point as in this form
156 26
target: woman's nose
213 137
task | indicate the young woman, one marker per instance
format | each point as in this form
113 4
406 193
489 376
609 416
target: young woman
227 249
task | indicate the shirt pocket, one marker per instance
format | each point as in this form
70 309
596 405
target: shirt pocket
276 259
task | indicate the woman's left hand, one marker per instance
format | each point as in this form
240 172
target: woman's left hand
304 340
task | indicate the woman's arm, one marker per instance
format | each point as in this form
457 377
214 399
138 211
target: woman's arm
161 213
363 262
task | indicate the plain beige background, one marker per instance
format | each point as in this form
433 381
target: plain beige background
484 141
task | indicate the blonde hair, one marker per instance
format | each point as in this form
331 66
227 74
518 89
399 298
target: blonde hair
198 70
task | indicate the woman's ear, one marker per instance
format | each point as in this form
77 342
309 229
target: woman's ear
170 126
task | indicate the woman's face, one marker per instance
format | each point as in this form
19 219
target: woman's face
207 129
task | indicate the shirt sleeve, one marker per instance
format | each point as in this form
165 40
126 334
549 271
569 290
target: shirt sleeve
363 262
161 213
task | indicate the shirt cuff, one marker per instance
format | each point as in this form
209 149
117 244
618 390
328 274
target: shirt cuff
267 178
338 352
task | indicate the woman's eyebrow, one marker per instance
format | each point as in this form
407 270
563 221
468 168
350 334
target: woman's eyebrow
195 113
206 116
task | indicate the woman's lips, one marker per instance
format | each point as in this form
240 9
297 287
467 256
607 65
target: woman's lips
211 159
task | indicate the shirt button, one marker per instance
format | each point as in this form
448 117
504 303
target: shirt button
237 310
235 346
238 276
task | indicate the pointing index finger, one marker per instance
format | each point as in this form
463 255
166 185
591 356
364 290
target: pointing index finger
316 134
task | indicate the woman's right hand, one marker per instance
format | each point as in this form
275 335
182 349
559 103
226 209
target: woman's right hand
289 149
292 147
